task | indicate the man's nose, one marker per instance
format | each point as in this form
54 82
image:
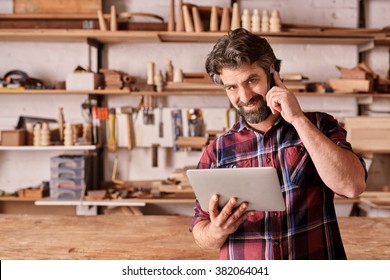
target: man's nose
245 94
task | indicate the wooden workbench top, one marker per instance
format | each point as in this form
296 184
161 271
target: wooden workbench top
148 237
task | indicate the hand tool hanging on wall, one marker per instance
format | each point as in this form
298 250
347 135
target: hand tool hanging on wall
155 155
128 112
148 112
177 126
112 144
161 123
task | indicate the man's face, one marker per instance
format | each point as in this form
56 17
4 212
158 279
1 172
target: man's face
246 88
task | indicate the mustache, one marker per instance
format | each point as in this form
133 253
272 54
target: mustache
253 100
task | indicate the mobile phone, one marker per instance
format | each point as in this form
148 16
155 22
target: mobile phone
271 81
271 78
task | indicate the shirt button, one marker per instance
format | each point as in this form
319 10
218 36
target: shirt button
302 149
268 160
276 243
275 214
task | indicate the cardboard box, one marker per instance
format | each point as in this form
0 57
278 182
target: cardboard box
13 137
83 81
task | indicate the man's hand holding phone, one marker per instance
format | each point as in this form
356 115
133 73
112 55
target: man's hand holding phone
281 100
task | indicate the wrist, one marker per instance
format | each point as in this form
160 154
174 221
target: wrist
300 121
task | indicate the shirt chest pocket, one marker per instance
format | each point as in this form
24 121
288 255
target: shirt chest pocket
240 163
295 163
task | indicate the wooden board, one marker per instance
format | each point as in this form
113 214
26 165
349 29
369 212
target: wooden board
57 6
354 73
100 237
192 86
49 24
351 85
149 238
368 133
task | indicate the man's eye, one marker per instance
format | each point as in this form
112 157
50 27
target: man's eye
252 81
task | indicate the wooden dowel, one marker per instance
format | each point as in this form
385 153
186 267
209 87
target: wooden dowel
188 24
180 18
214 19
113 20
102 22
197 20
225 21
171 21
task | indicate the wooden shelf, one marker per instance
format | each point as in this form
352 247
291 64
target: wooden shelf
48 148
17 199
81 35
169 93
64 92
114 203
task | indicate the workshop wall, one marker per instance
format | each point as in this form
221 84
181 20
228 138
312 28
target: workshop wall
54 61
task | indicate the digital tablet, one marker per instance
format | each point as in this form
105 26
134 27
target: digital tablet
259 186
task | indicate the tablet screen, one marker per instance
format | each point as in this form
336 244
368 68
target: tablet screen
259 186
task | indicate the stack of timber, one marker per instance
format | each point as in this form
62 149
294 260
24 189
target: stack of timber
193 81
357 79
114 79
53 14
294 81
368 134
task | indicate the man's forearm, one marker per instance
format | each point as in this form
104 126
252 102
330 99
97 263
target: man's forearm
339 168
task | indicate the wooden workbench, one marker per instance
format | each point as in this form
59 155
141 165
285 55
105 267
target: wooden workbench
148 237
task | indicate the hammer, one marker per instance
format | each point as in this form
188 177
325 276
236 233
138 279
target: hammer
128 111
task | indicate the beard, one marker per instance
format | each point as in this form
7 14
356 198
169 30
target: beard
256 114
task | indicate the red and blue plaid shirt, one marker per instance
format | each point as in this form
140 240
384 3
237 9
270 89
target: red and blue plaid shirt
308 228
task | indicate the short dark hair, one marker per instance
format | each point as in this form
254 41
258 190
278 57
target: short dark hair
236 48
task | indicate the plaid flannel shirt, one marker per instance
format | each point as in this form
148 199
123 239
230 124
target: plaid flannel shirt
308 228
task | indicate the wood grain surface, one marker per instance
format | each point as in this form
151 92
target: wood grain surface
148 238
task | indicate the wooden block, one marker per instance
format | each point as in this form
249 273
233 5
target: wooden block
57 6
191 86
292 76
295 86
351 85
196 77
368 133
152 26
363 66
195 142
13 137
46 23
354 73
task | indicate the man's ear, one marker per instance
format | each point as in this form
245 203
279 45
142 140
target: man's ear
272 69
